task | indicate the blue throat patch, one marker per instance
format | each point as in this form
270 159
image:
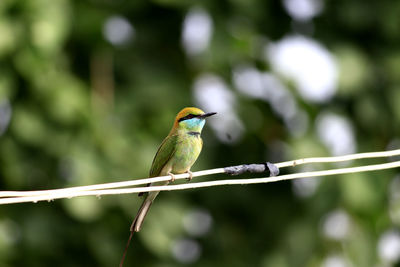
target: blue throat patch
194 124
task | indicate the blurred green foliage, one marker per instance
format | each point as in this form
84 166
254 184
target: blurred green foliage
79 109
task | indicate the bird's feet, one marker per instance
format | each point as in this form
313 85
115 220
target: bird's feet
190 175
172 177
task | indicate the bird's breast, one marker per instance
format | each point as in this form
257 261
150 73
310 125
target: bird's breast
187 151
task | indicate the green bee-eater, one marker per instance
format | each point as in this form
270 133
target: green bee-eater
176 154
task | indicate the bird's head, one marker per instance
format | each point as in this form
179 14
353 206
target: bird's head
191 119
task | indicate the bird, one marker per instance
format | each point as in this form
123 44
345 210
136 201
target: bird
176 154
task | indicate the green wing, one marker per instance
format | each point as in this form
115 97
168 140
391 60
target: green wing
163 155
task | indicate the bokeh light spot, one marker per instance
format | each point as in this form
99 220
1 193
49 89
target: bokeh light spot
197 222
303 9
304 188
5 115
335 261
336 132
336 225
389 246
118 30
310 65
186 250
197 31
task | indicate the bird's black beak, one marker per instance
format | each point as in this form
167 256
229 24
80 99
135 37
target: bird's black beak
205 115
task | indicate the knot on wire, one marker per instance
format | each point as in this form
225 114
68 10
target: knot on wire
253 168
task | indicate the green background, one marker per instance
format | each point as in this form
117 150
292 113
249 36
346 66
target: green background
79 109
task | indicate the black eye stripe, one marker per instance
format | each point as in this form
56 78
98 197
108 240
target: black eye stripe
187 117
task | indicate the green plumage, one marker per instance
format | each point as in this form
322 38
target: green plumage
164 153
176 154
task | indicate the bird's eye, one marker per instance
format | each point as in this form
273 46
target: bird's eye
187 117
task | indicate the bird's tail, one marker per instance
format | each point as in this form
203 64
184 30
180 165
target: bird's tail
137 222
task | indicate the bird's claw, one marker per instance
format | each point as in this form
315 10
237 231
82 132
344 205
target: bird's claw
190 175
172 177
